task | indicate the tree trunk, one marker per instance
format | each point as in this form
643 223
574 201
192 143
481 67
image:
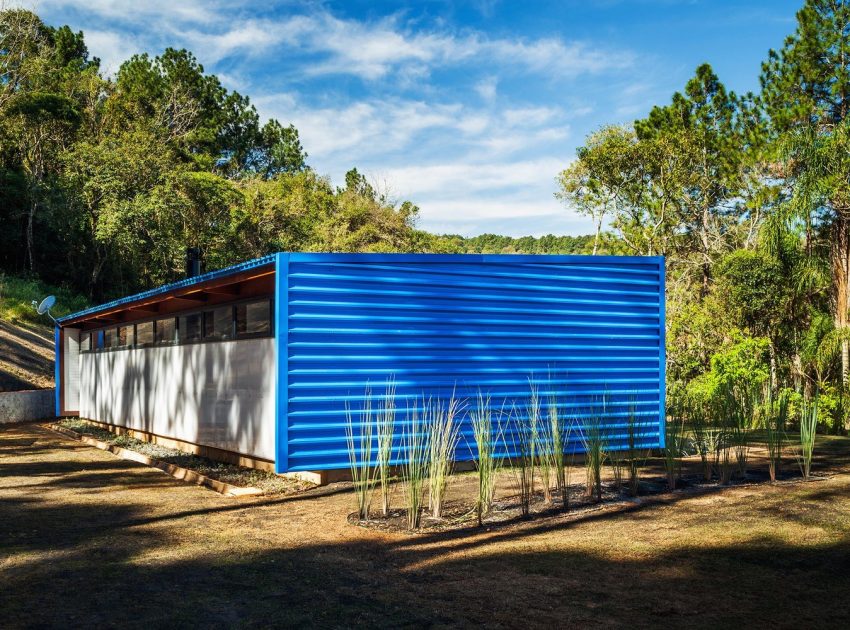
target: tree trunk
596 236
30 230
840 273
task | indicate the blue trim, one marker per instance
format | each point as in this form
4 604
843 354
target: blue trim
181 284
281 339
662 354
57 342
347 258
460 258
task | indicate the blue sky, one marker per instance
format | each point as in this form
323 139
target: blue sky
469 109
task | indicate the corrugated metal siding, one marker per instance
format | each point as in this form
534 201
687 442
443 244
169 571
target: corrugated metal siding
588 329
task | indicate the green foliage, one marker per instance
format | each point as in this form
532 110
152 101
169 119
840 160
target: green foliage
754 289
17 295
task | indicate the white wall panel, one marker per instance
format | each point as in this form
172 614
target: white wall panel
214 394
71 378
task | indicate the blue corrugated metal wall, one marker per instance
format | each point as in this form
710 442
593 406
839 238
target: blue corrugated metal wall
589 329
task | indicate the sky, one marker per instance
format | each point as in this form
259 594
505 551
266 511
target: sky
468 109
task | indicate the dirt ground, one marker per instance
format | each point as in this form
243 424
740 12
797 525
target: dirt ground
88 539
26 357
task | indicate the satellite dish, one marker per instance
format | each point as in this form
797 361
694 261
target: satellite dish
46 304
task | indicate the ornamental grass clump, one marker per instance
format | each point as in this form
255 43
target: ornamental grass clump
443 427
519 443
634 458
775 422
559 433
616 456
386 435
358 433
487 436
414 464
593 439
533 416
808 435
704 435
674 447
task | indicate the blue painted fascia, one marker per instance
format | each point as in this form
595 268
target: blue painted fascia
454 258
180 284
281 339
662 353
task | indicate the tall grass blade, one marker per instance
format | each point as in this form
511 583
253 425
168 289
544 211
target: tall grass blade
358 433
386 435
487 436
414 468
443 427
808 435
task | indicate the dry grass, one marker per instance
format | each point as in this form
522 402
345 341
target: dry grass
88 539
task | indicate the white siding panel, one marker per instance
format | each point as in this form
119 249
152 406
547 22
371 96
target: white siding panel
215 394
71 378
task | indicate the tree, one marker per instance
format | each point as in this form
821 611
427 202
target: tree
593 184
707 128
806 91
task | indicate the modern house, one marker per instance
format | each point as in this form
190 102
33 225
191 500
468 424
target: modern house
262 360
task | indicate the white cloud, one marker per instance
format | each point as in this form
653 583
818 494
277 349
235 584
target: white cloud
251 37
445 180
487 88
113 48
183 11
367 49
373 50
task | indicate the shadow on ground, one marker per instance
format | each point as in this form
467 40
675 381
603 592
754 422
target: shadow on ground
147 554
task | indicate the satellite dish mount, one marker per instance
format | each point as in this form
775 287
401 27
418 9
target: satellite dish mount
45 306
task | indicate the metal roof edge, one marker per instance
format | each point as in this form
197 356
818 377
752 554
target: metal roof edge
344 257
180 284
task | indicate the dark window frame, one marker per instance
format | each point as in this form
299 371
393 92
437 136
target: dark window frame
97 335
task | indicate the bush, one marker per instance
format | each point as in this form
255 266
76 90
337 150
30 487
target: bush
17 295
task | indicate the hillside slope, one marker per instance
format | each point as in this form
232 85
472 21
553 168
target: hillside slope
26 356
26 338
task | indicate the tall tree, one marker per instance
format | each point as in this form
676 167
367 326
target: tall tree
806 91
594 184
709 126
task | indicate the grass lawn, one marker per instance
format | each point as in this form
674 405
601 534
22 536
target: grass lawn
88 539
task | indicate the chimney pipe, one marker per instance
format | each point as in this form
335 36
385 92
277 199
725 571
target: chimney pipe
193 262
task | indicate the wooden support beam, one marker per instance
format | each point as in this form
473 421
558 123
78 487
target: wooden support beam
193 298
227 289
147 308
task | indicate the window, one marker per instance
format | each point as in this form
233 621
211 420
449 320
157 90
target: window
253 318
191 328
85 342
144 334
218 324
125 336
110 338
165 330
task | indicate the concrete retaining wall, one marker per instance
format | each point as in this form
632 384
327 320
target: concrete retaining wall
31 404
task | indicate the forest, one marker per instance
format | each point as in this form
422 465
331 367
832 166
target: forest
106 180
